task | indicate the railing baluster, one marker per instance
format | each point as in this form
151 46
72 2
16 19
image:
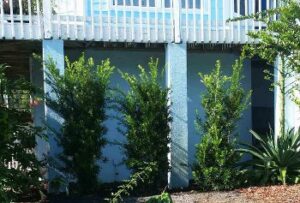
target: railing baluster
231 10
47 11
202 20
68 24
239 22
217 20
246 22
75 20
209 21
156 21
148 19
59 24
109 21
253 12
164 20
259 10
92 20
100 20
141 21
38 8
21 19
223 21
176 28
116 20
194 20
84 21
124 21
2 18
30 18
132 21
12 22
187 30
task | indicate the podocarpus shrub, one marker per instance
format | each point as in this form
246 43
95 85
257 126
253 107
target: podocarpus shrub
81 101
223 104
145 118
17 140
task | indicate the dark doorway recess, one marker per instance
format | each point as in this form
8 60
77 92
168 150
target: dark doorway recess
262 98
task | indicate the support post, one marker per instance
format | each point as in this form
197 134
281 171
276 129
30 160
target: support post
292 110
283 103
277 98
176 79
54 50
36 78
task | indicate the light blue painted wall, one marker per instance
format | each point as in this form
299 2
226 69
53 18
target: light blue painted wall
127 60
204 62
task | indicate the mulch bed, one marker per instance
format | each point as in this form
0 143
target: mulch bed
268 194
273 193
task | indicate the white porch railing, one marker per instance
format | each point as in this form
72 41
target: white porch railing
155 21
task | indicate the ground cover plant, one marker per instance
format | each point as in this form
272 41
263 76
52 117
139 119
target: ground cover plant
145 119
17 140
80 99
223 102
141 176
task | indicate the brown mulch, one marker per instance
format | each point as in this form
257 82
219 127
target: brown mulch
268 194
273 193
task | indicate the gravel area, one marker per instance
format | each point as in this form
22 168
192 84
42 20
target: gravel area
270 194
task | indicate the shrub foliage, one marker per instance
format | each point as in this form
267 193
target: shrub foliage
81 101
223 104
17 139
145 118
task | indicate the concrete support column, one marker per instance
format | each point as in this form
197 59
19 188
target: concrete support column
277 98
36 78
176 78
292 110
54 50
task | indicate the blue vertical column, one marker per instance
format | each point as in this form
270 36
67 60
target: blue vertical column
176 78
54 50
36 78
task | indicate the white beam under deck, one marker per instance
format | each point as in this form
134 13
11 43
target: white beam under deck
141 21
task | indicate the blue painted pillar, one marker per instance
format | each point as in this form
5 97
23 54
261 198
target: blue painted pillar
36 78
176 78
52 49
